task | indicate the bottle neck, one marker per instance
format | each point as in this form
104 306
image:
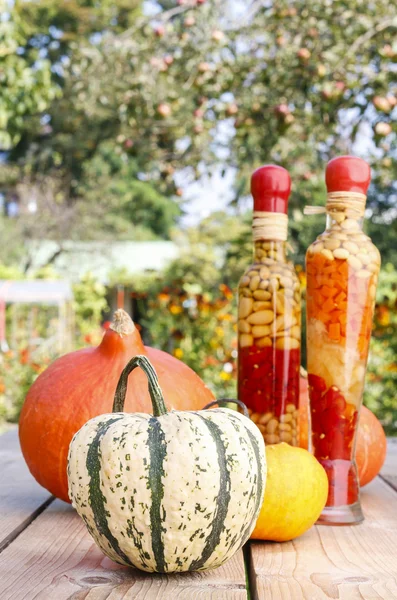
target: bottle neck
272 249
340 221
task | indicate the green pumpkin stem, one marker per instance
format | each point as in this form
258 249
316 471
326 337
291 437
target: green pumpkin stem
156 395
223 401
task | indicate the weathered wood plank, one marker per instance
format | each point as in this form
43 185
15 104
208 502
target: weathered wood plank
345 563
21 497
389 469
55 557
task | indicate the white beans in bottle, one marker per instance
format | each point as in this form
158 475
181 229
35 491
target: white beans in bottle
269 315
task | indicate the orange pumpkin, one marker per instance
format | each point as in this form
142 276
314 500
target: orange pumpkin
371 442
371 446
81 385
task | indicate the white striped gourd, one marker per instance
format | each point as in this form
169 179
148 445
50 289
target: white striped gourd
176 491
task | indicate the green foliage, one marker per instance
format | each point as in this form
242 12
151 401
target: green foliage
25 78
126 207
89 304
10 272
20 367
17 374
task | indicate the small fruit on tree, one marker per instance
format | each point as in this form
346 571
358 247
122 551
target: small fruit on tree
164 110
381 103
383 129
217 35
304 54
327 93
159 30
392 100
204 67
282 110
232 109
387 51
168 59
189 21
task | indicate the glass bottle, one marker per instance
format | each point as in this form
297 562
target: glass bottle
269 315
342 268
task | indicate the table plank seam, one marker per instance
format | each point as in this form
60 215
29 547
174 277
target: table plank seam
247 568
388 482
25 524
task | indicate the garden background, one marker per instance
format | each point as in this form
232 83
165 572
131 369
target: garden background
115 114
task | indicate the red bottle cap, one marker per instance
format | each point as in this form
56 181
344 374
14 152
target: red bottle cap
347 174
270 188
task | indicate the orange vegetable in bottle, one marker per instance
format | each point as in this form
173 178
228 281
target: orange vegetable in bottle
342 270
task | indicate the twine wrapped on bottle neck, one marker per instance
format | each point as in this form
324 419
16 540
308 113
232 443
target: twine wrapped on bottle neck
269 226
352 204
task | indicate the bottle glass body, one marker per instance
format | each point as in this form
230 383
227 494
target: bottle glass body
269 329
342 268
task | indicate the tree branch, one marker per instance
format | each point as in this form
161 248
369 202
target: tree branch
366 37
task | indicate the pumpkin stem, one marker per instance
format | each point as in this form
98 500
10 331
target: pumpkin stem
156 395
227 401
122 323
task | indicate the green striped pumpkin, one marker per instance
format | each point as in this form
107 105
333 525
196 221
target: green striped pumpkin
176 491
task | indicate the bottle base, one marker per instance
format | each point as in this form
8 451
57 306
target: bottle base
351 514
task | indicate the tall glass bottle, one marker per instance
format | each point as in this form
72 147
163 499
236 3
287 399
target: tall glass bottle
342 268
269 312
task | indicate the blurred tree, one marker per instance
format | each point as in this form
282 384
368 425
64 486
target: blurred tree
71 181
25 79
196 84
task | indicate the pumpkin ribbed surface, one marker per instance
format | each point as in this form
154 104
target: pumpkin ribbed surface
178 492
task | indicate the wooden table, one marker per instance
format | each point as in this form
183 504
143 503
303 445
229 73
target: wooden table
46 552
